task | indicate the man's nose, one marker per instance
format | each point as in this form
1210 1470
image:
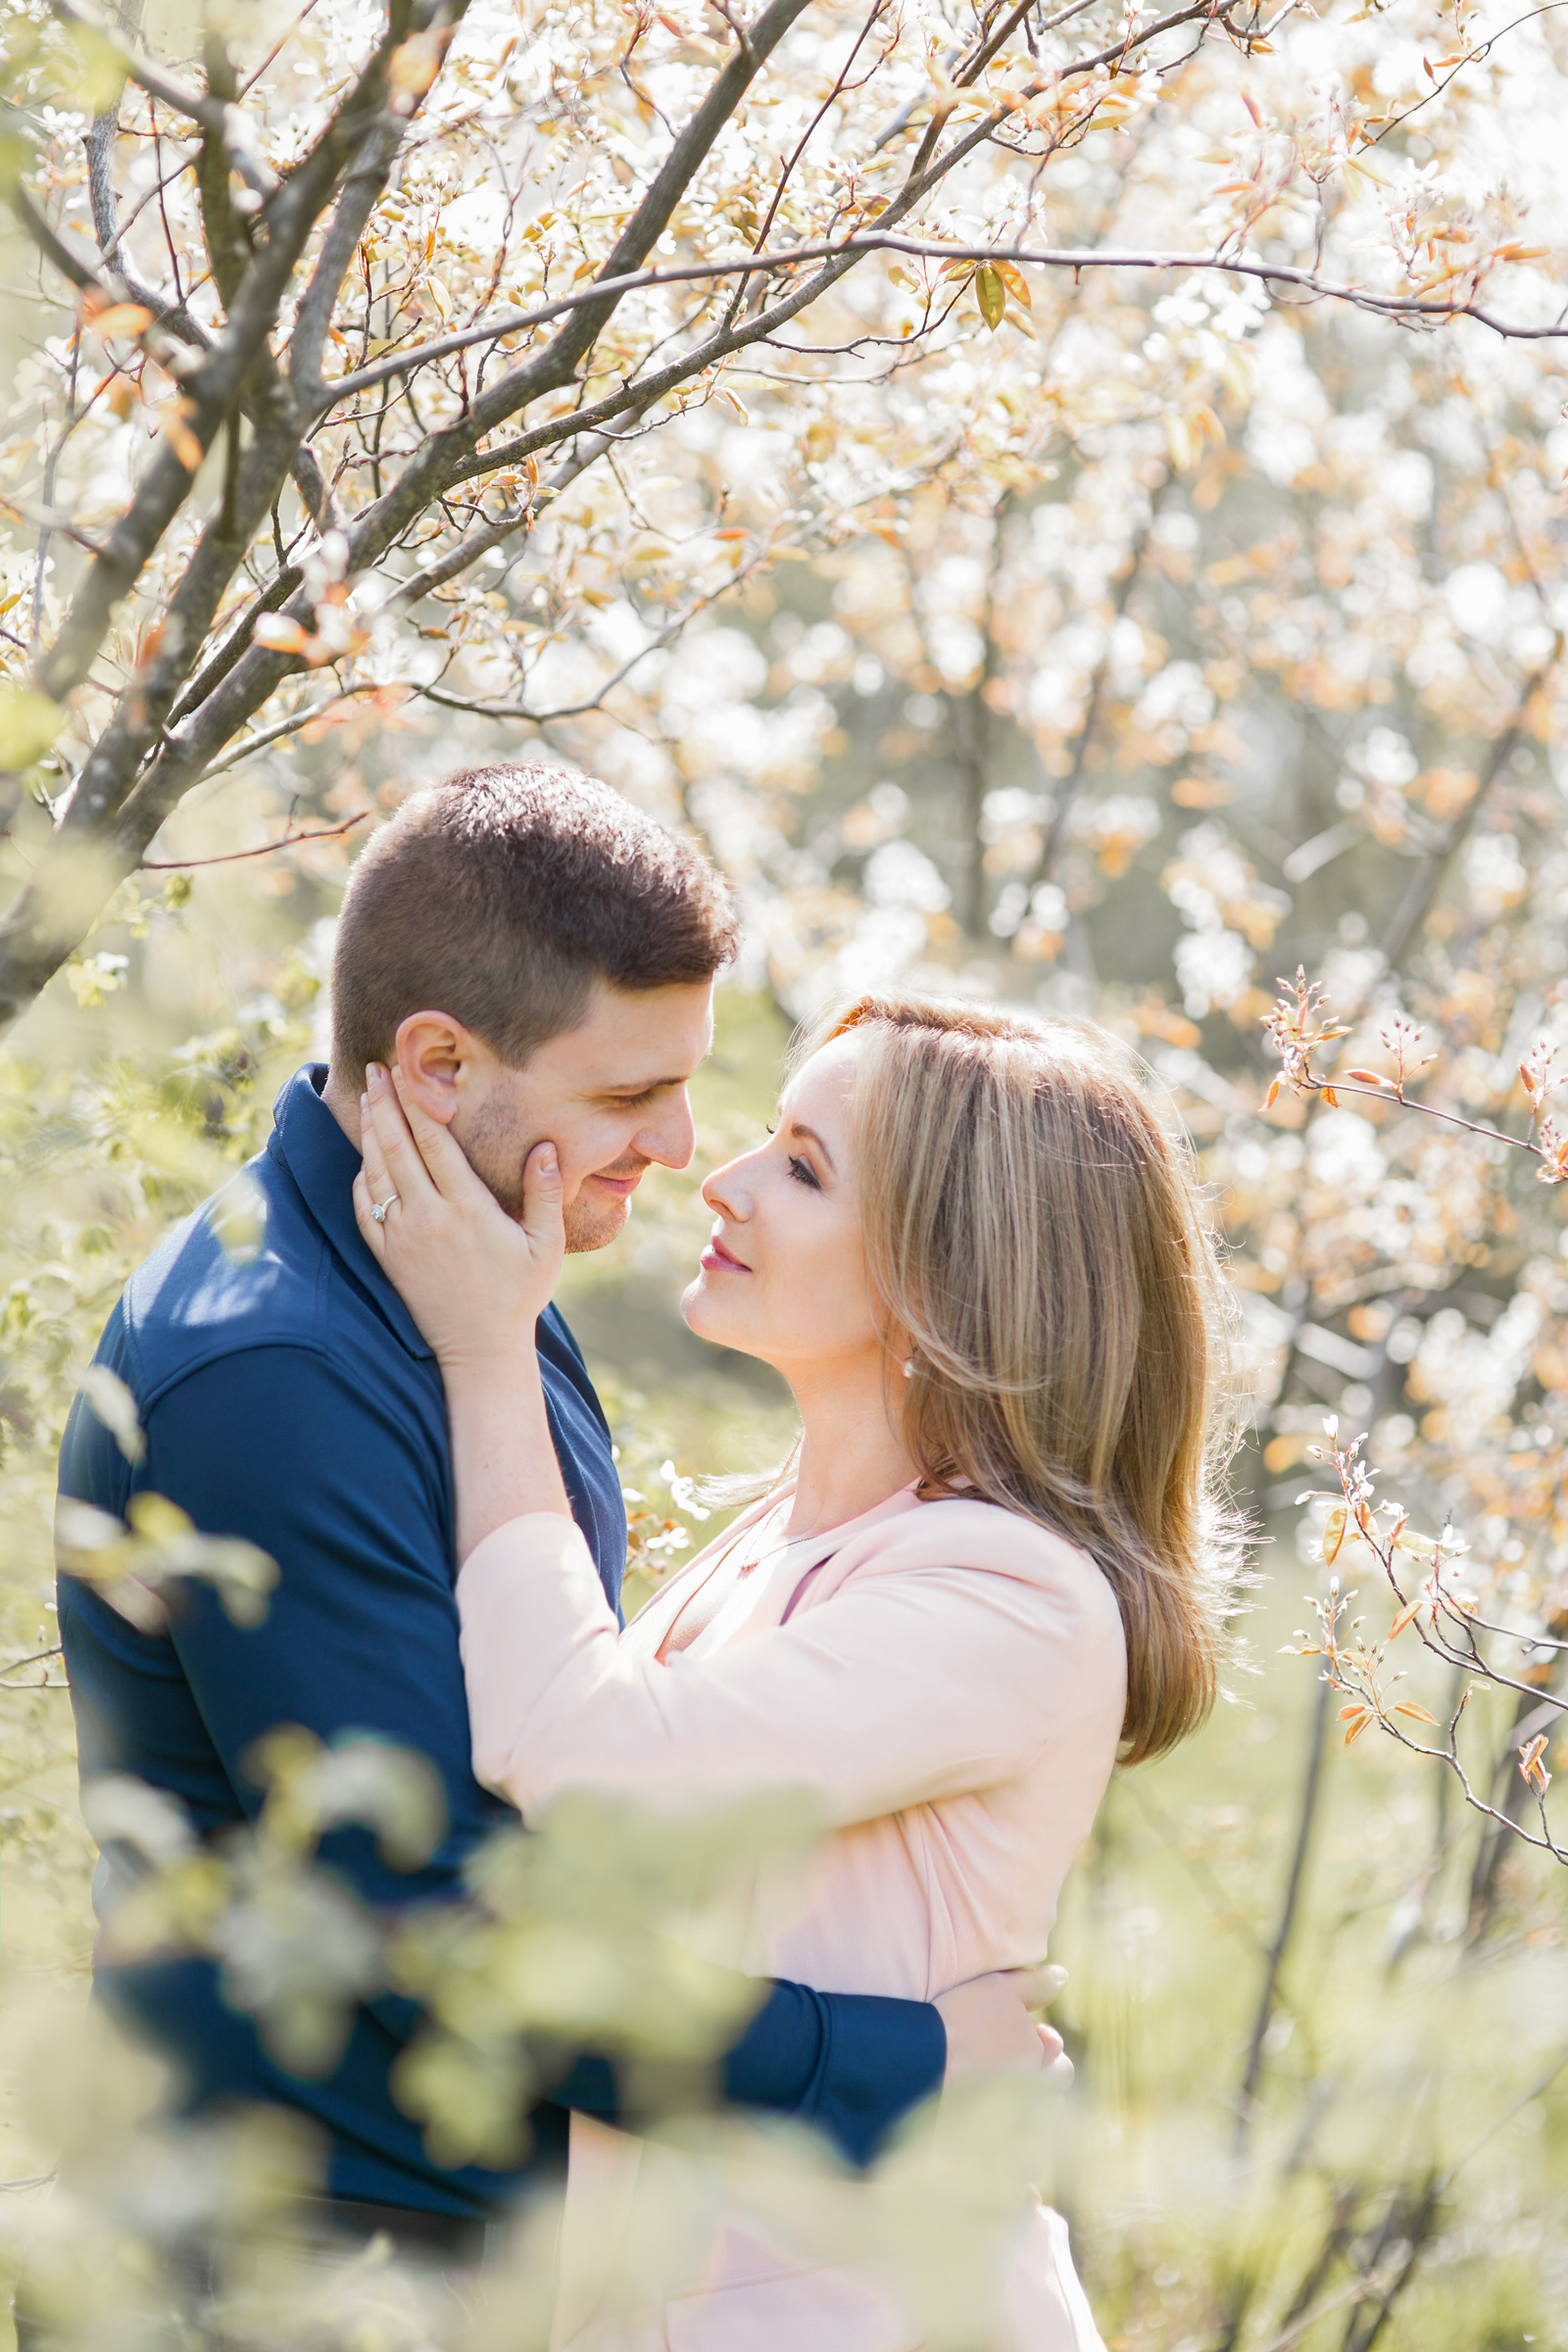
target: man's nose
671 1139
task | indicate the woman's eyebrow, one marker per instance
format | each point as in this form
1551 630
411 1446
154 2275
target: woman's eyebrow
797 1128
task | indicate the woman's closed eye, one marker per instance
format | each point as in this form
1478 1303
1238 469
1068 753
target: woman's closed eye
802 1172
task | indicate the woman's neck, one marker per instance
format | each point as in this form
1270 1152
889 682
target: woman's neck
852 1457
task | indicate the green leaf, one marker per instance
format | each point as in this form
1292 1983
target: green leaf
95 76
16 158
28 724
991 294
115 1406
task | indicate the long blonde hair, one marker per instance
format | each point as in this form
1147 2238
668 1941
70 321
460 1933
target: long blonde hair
1036 1243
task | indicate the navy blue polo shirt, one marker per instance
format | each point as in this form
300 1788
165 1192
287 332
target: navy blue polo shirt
287 1398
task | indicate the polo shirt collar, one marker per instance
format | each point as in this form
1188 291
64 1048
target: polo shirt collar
308 1143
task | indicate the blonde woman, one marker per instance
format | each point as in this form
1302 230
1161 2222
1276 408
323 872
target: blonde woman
977 1260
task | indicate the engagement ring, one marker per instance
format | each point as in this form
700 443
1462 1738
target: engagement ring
378 1210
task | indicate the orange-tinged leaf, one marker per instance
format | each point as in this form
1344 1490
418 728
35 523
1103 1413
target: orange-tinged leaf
128 318
183 442
1273 1095
1333 1536
1367 1077
1330 1098
1415 1713
279 634
1405 1618
414 66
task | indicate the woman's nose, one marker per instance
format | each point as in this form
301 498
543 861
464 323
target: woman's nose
727 1193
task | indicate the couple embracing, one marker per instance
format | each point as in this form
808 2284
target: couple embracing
989 1571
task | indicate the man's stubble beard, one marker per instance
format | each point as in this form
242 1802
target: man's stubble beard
496 1148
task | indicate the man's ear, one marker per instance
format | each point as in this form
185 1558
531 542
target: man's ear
438 1059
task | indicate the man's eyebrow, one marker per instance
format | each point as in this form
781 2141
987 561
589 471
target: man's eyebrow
637 1085
797 1127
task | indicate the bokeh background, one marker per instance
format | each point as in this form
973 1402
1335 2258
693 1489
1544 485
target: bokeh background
1118 657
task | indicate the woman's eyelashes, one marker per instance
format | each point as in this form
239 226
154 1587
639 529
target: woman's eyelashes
804 1173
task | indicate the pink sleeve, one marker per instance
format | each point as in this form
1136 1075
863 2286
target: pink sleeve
909 1684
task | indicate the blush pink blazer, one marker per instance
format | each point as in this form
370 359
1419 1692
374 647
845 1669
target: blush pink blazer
947 1681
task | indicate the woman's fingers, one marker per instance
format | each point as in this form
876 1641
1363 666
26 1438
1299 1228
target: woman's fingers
388 1132
1039 1987
988 2024
454 1178
372 1229
377 1177
475 1280
543 1220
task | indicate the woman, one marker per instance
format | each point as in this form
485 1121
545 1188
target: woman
978 1263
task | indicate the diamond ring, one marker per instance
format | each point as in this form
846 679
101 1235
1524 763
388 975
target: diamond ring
378 1210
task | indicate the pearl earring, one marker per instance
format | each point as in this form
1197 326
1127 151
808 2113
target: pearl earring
909 1367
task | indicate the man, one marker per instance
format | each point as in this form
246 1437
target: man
539 958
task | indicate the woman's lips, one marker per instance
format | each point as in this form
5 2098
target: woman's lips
717 1260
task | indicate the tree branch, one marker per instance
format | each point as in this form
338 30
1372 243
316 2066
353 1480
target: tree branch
224 122
358 201
187 865
867 241
212 390
447 455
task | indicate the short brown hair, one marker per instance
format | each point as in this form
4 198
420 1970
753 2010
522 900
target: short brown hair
500 896
1037 1244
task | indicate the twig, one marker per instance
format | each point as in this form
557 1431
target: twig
1473 57
37 1658
1428 880
183 866
249 83
1358 2292
1067 791
867 241
1311 1787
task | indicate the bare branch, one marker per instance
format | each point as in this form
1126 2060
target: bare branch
866 241
186 865
357 202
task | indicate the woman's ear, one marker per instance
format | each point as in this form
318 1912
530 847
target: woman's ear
436 1057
